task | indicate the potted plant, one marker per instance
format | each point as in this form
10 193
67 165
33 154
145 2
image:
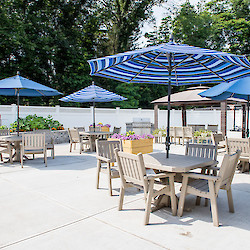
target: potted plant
135 144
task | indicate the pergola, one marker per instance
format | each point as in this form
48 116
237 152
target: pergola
190 97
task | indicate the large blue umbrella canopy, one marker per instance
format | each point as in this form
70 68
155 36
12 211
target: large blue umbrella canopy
20 86
238 89
93 94
171 63
17 84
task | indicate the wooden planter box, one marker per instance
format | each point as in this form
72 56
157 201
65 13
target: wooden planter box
105 129
143 146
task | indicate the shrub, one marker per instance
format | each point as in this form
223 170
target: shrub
32 122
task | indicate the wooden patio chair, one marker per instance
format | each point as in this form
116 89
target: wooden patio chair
6 148
242 144
178 134
75 138
33 144
80 129
204 151
219 140
49 140
187 134
208 186
105 153
117 130
133 173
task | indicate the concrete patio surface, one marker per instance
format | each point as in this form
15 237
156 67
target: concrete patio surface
58 207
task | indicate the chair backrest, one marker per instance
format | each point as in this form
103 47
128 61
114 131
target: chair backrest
216 138
74 135
242 144
187 132
202 150
171 131
80 129
107 149
117 130
97 129
131 168
4 132
213 128
32 141
179 131
227 170
49 135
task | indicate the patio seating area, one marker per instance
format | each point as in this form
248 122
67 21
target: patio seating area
60 207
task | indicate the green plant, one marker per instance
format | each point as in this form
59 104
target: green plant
32 122
202 133
162 130
3 127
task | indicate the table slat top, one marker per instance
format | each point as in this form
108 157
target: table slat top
175 163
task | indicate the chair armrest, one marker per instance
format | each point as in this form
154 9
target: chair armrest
202 176
213 168
103 158
161 175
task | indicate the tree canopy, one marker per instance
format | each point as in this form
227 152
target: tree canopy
50 41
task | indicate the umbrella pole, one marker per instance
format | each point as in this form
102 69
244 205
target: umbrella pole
247 116
169 106
94 115
18 112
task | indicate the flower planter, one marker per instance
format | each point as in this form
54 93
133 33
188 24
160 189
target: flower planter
105 129
143 146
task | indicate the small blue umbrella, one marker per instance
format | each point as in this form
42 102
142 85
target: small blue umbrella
172 64
238 89
93 94
20 86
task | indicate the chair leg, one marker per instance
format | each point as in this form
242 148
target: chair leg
121 198
172 195
109 180
198 201
1 155
230 200
183 195
53 153
45 158
148 204
21 159
80 147
98 173
70 148
213 200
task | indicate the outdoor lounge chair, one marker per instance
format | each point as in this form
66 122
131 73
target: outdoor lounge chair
105 153
133 173
75 138
33 144
219 140
208 186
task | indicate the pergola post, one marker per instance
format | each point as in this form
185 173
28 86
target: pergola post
184 115
223 106
155 116
243 121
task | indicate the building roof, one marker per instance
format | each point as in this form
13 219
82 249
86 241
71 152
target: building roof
191 97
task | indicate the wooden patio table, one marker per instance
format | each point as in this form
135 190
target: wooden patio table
175 164
16 140
93 136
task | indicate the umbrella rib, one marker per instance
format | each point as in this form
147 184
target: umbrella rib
157 62
210 70
152 59
182 61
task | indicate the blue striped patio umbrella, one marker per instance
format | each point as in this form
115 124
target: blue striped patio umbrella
93 94
171 63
